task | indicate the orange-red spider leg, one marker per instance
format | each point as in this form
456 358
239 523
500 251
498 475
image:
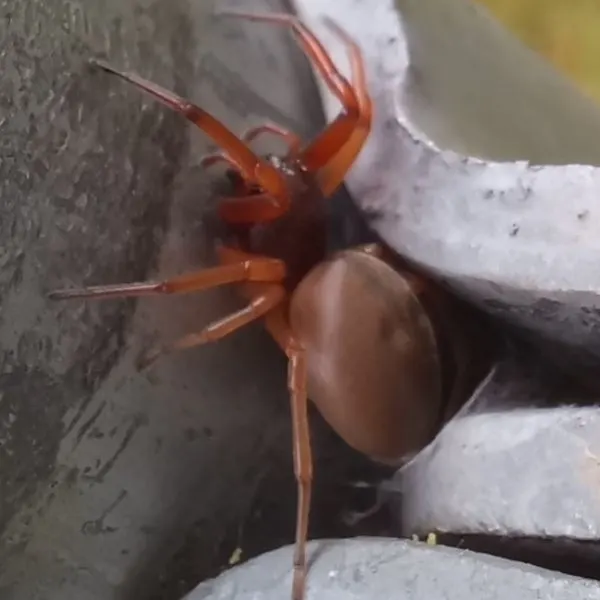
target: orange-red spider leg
240 185
253 168
257 269
327 144
250 135
294 142
254 208
212 159
244 207
332 173
258 307
302 462
276 324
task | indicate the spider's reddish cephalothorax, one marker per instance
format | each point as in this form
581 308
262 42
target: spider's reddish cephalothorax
279 204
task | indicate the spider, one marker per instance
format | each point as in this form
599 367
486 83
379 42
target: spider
357 336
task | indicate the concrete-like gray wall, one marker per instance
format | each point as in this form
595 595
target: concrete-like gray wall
102 470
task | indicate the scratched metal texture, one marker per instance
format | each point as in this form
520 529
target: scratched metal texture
105 473
370 569
454 93
517 473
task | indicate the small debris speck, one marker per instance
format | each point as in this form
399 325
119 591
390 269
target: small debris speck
235 557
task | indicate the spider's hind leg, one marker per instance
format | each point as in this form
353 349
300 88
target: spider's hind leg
252 268
239 267
258 307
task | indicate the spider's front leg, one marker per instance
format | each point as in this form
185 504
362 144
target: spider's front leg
334 150
255 170
241 268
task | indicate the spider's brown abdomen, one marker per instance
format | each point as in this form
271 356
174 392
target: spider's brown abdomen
372 355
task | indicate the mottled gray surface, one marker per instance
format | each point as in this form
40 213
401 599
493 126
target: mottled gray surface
103 470
369 568
516 239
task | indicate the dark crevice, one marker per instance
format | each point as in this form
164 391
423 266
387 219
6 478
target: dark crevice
564 555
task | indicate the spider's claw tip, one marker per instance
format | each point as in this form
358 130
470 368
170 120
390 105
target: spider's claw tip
62 294
225 12
242 14
97 63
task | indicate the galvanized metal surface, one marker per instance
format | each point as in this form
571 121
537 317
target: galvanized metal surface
517 239
524 461
374 568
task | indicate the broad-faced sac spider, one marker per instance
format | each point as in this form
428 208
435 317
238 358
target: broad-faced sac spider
360 341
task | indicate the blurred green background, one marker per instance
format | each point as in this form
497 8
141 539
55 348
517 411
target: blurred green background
565 31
